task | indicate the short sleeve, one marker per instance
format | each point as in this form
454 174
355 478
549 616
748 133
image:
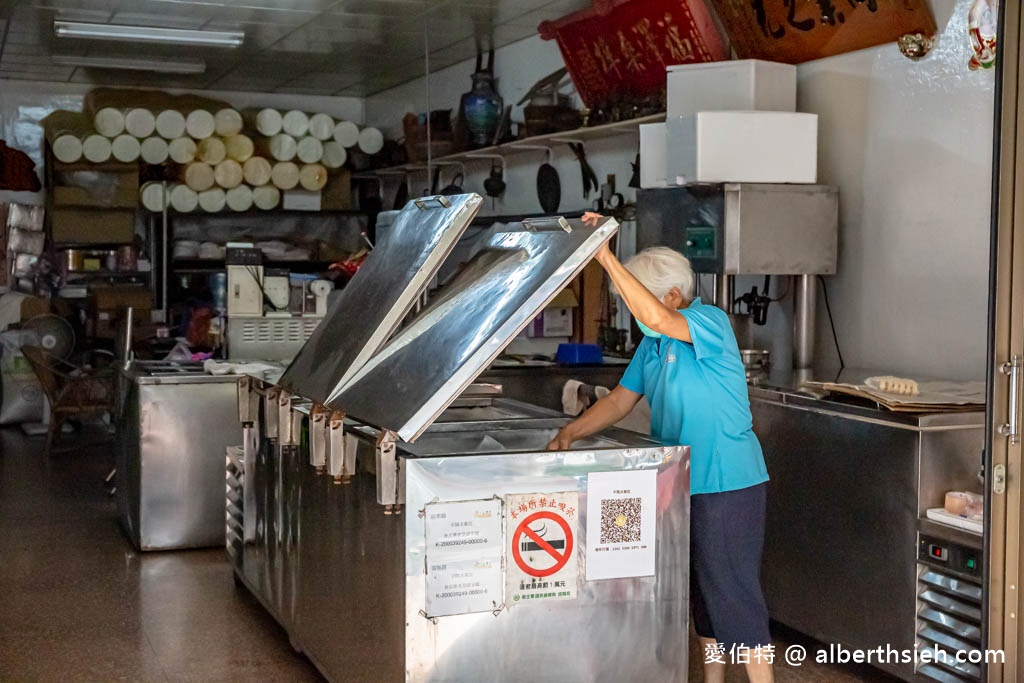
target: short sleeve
707 329
633 378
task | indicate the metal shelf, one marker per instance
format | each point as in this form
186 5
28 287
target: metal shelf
536 142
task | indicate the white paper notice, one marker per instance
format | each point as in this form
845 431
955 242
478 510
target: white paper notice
621 524
464 551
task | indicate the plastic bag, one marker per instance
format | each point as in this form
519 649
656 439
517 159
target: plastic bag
21 396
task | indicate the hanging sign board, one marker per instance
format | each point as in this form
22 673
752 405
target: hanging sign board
541 544
463 557
621 524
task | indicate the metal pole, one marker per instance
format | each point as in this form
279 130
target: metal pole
805 302
725 286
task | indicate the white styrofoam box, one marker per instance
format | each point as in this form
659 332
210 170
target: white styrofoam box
552 322
743 147
653 155
739 85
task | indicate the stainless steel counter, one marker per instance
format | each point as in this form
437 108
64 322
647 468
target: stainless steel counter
174 423
849 487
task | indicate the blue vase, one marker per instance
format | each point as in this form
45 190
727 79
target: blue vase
481 109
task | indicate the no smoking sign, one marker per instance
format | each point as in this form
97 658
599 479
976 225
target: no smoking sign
541 546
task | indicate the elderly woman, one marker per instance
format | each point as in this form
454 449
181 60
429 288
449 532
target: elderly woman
689 368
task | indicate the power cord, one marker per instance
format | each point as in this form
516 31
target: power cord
831 322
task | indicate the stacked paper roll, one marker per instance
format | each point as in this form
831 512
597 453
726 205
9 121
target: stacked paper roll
109 122
228 174
239 198
284 175
139 123
295 123
269 122
200 124
153 196
96 148
313 177
182 150
154 150
309 150
170 124
67 147
227 122
266 197
321 126
256 171
334 155
183 198
212 200
239 147
125 148
211 150
282 147
199 176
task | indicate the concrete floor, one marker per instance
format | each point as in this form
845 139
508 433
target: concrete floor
78 603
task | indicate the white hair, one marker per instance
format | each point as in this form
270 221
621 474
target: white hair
659 269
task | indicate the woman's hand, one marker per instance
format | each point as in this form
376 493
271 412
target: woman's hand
562 441
605 252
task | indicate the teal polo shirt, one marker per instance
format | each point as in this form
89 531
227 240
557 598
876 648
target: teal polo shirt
698 398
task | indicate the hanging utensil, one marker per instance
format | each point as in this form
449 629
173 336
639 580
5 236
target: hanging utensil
549 188
587 173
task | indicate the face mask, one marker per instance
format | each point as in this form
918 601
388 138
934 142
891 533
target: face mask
648 332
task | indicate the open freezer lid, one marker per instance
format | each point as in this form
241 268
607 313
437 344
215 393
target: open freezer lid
380 294
407 384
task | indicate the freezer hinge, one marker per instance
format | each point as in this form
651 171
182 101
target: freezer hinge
1011 428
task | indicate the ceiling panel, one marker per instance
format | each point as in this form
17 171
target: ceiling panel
352 47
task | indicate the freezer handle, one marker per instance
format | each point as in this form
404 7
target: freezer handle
1011 428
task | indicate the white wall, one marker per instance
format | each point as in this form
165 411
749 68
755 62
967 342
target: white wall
23 104
517 67
910 147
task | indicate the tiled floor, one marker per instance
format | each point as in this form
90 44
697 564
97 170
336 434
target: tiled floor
77 603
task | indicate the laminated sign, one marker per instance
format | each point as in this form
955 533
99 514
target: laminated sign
463 557
541 546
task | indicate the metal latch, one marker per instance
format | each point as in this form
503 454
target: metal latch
999 479
1011 428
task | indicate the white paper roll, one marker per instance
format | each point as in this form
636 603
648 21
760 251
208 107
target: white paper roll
182 150
170 124
183 198
109 122
269 122
212 200
321 126
227 122
200 124
139 122
96 149
154 150
295 123
346 134
371 140
309 150
266 197
239 198
67 148
334 155
283 147
256 171
153 197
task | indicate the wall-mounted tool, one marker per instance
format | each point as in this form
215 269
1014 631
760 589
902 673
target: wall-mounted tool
589 177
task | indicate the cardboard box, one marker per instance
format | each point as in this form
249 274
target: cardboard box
99 188
109 304
92 226
742 147
738 85
337 193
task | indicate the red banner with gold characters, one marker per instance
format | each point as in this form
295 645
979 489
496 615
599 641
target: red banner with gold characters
795 31
618 49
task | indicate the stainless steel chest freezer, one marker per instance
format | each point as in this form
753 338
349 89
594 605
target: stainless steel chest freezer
174 423
404 523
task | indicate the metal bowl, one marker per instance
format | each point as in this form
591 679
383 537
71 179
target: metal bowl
755 359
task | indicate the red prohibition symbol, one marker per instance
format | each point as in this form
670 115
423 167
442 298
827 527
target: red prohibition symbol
560 558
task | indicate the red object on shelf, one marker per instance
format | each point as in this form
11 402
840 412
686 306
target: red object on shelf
618 49
795 31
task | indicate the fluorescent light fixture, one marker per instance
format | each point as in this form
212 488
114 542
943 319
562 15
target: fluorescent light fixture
181 66
147 34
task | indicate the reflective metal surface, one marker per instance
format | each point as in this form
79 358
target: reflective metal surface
381 293
172 438
860 477
427 364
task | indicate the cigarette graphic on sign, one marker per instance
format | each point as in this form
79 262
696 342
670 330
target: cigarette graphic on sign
529 545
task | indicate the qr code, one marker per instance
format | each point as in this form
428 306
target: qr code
620 520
